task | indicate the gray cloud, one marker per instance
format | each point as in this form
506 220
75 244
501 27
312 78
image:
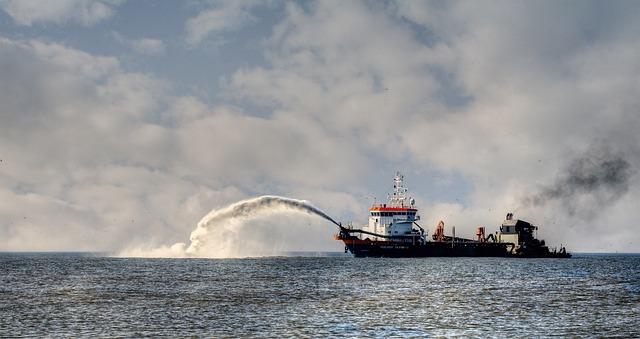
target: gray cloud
533 93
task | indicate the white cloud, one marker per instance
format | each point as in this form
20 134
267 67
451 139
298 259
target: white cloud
97 158
225 16
28 12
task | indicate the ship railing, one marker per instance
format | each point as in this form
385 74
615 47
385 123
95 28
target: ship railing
406 218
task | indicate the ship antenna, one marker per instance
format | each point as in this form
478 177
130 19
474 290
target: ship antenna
399 197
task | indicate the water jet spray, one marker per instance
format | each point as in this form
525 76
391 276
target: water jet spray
247 209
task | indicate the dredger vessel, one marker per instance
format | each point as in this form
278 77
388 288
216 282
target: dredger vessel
391 233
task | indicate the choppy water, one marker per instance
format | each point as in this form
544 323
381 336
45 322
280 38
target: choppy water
85 295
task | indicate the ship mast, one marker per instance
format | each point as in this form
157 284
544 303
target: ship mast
399 198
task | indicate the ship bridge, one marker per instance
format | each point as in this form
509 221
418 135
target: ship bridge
396 217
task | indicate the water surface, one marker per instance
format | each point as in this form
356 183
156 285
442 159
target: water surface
90 295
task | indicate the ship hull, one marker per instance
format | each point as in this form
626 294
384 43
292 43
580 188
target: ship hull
389 249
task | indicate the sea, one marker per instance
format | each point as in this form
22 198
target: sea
318 295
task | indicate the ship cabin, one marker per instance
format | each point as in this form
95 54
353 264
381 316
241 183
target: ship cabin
392 221
516 231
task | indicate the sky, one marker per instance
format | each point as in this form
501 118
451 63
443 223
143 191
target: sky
123 123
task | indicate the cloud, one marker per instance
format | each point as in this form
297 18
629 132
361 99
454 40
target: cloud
349 92
225 16
487 93
144 46
75 139
98 158
148 46
538 106
87 13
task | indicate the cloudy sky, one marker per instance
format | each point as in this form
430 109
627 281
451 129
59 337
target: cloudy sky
123 123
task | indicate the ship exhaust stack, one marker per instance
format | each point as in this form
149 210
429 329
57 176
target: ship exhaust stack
439 234
480 234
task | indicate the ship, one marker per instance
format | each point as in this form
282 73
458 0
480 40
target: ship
393 231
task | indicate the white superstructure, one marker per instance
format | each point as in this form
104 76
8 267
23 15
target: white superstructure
396 217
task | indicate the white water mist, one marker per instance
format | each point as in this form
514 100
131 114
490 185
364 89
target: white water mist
247 209
217 234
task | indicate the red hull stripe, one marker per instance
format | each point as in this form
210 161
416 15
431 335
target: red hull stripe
391 209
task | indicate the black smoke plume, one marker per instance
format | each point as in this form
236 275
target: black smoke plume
590 183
